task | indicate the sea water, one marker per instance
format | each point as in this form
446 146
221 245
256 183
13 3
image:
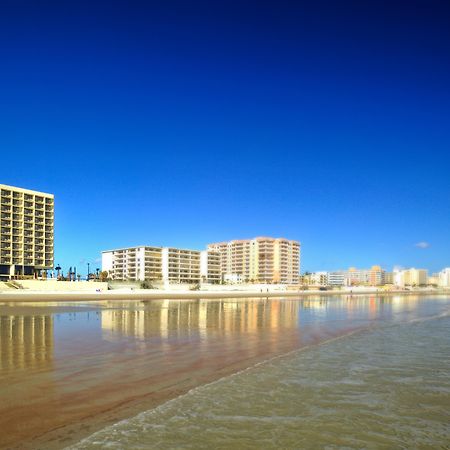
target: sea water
384 386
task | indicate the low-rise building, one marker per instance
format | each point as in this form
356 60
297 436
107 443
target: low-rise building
337 278
315 279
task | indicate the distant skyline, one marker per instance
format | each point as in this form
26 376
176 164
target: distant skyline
185 123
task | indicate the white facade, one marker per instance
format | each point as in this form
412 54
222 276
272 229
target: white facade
133 263
210 267
444 277
337 278
315 279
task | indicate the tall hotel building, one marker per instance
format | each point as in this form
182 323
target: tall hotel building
26 232
262 259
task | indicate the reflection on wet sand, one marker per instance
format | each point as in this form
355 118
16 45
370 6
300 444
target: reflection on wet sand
202 318
26 342
69 370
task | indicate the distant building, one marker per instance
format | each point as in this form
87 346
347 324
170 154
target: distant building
262 259
433 279
375 276
444 277
26 232
337 278
315 279
388 278
411 277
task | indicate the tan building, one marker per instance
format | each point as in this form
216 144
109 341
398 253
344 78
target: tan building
262 259
26 233
365 277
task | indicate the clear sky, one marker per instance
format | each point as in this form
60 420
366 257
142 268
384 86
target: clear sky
184 123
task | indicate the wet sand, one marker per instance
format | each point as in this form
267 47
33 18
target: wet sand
67 371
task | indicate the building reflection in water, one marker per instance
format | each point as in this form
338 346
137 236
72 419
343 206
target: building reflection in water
26 342
170 318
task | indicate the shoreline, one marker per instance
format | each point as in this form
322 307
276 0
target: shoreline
146 294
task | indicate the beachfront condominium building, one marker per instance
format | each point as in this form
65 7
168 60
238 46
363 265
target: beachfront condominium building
161 264
133 263
210 267
180 266
26 232
262 259
411 277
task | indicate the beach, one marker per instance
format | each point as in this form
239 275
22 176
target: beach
69 369
26 295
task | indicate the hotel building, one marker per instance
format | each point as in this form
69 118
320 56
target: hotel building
26 232
262 259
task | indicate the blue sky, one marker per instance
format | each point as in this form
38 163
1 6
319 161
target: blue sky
184 123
